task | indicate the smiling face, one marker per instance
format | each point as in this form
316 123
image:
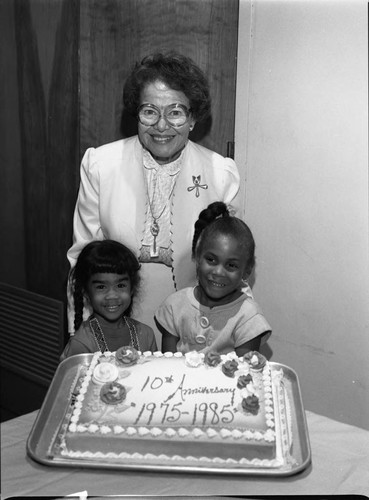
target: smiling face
110 295
221 267
162 140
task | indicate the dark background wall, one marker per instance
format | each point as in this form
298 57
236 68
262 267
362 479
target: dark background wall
40 141
63 64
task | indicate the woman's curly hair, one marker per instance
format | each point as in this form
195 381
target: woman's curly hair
178 72
103 256
216 219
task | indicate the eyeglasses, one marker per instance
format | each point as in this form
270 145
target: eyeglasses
175 115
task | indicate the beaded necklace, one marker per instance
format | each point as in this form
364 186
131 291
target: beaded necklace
100 338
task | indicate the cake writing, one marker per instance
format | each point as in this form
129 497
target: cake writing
182 399
157 382
169 411
202 413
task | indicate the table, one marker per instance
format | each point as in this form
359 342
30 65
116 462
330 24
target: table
340 465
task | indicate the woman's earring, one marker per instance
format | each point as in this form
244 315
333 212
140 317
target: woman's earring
245 282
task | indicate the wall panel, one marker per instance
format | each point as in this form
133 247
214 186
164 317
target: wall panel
115 34
46 51
306 156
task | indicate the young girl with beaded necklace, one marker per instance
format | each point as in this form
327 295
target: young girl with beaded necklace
216 315
107 276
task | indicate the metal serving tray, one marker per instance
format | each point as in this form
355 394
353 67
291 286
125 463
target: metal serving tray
56 403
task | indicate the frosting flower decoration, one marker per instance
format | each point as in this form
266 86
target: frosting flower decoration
194 358
251 404
249 390
255 360
212 358
105 372
127 355
113 393
230 367
243 381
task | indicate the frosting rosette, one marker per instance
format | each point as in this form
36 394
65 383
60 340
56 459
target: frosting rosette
127 355
251 404
113 393
194 358
230 367
243 381
212 358
255 360
105 372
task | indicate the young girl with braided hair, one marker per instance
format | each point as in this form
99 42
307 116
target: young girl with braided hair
106 275
216 315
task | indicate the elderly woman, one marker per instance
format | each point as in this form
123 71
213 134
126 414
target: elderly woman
147 191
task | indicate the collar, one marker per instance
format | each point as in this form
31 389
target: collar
171 168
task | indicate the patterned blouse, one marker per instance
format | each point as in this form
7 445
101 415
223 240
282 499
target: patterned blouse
160 182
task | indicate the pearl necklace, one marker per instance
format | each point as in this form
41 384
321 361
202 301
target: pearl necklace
100 338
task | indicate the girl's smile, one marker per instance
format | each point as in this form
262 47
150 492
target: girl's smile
220 268
110 295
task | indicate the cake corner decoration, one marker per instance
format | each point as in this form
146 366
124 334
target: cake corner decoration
105 372
212 358
200 410
244 380
113 393
251 404
230 367
127 355
255 359
194 358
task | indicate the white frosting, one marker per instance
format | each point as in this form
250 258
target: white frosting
105 372
165 397
139 457
194 359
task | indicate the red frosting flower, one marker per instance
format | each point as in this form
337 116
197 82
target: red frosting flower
251 404
127 355
212 358
229 367
243 380
113 393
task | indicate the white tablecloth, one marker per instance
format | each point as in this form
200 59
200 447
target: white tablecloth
340 465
